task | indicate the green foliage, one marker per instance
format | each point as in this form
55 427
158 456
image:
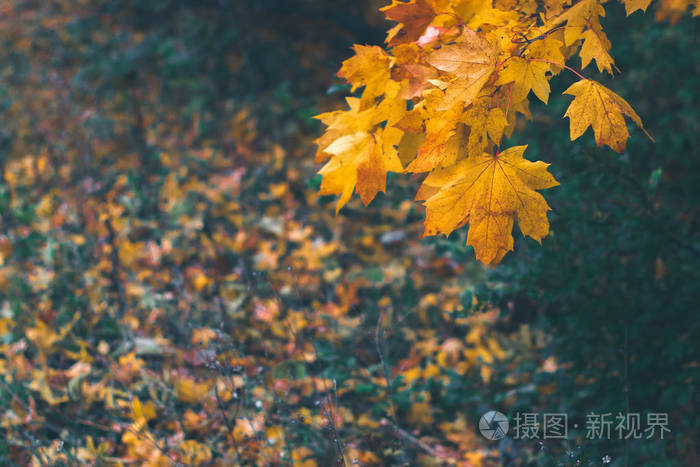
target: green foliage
615 287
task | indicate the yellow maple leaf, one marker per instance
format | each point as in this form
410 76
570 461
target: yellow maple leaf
491 14
496 124
548 48
526 75
342 123
581 16
484 123
440 134
490 192
369 67
596 46
471 60
360 160
597 106
633 5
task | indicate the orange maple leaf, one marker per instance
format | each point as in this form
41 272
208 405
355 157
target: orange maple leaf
490 192
597 106
413 18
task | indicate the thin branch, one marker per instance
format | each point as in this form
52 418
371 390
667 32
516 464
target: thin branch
379 343
403 434
227 421
557 64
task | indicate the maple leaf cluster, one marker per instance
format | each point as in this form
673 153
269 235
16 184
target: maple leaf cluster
446 90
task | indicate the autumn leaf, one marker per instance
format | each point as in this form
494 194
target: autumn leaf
527 75
471 60
413 18
342 123
633 5
597 106
485 123
548 48
411 66
490 192
496 124
581 16
369 67
596 46
362 160
441 141
340 173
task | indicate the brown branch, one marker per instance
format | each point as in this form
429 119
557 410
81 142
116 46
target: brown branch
227 421
379 343
403 434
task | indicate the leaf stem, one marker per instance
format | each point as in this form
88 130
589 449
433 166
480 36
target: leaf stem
557 64
510 96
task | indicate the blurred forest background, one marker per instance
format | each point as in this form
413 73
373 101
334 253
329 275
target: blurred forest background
174 292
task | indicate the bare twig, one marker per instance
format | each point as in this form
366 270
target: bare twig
331 409
403 434
379 343
227 421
